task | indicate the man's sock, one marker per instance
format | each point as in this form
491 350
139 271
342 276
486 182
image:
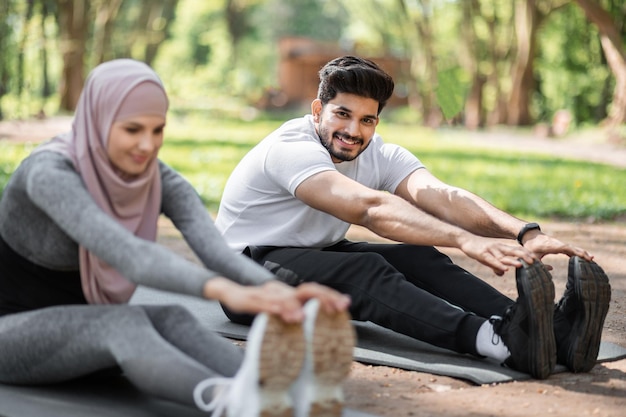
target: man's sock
490 344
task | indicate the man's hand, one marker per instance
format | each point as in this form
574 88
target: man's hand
495 254
274 297
541 244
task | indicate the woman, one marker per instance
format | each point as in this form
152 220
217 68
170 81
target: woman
78 224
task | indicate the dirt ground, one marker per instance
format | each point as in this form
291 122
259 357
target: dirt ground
386 391
602 392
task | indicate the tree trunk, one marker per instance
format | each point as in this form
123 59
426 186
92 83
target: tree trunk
73 25
46 89
497 55
106 11
151 28
5 47
613 48
423 63
159 33
523 83
30 6
236 20
474 103
473 111
432 115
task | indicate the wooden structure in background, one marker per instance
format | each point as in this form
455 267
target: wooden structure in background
300 60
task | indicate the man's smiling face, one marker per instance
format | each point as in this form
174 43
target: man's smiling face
345 125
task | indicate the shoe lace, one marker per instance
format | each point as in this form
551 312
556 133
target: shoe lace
220 397
496 322
499 323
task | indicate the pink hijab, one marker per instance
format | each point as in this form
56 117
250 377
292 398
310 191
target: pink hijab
114 91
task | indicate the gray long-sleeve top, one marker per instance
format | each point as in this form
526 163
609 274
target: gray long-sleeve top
46 212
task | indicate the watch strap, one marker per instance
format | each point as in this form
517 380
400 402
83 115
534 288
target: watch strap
527 228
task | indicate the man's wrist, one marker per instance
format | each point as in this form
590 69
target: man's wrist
527 228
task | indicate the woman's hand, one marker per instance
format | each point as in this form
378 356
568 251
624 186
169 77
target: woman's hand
274 297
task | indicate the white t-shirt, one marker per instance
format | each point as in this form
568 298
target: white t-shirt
259 206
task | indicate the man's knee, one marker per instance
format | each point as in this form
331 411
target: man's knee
358 272
367 262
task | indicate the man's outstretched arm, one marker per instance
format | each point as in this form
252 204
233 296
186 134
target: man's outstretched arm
472 213
393 217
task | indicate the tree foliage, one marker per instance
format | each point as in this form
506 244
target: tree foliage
476 62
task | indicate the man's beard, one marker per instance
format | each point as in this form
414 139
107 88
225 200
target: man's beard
326 138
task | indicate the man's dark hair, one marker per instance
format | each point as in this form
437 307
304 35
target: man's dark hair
354 75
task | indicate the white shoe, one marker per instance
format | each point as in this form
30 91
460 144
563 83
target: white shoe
274 356
329 348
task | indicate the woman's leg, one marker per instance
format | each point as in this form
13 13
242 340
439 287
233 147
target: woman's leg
183 330
61 343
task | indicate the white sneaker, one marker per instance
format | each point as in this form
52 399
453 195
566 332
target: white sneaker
329 348
274 356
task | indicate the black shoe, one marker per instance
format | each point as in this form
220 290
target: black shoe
527 328
579 315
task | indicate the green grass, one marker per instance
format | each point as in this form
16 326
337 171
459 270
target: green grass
10 156
207 155
530 186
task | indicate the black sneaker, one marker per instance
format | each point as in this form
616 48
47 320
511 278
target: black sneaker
579 315
527 328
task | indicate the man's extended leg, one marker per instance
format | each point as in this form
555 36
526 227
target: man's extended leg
379 294
433 271
579 315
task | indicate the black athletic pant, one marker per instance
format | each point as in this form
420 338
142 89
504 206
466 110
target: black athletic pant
414 290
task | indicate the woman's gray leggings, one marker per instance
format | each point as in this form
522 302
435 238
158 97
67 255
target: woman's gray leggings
163 350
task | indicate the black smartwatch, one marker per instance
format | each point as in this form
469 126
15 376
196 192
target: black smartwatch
527 227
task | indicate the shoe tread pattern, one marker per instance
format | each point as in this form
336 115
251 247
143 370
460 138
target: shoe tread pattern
535 283
333 346
281 358
593 291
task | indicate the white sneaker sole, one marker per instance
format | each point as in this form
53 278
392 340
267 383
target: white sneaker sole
332 349
281 357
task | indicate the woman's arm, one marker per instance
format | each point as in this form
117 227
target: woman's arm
183 206
60 205
52 185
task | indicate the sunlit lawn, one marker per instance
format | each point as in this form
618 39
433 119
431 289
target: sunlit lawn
527 185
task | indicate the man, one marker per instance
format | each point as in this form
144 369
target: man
291 200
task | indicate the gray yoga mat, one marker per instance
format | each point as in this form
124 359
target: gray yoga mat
112 395
104 396
377 345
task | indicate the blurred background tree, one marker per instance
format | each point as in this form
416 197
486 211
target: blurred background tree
471 62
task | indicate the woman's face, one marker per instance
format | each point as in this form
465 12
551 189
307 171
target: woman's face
133 143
